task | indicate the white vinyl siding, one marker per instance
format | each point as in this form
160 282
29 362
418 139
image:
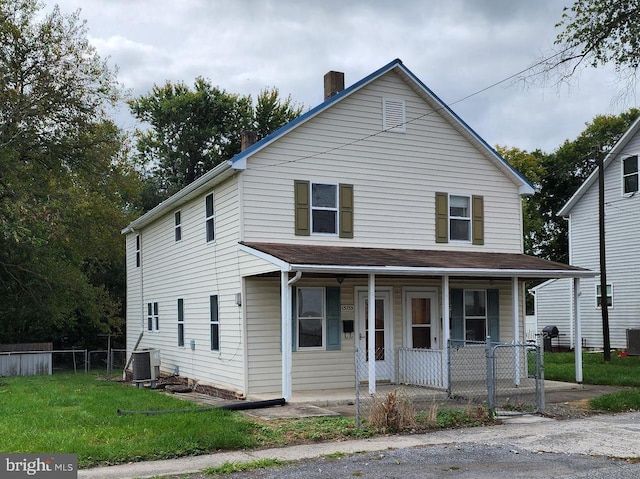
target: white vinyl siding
395 177
553 308
191 269
623 255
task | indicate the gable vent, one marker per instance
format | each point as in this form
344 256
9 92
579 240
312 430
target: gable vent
393 115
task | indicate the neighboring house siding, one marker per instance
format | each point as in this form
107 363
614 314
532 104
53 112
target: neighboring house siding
622 257
394 176
553 308
194 270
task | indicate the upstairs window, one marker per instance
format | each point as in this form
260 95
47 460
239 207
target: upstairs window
137 251
630 174
209 218
177 226
323 208
459 218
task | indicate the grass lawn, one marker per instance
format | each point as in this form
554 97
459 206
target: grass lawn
620 371
78 414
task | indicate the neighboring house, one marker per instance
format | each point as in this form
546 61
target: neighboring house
256 278
622 229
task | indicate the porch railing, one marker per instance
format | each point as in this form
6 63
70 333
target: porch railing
422 367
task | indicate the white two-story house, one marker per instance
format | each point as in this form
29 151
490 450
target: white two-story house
622 209
257 278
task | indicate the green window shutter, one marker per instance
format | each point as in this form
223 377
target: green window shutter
493 314
346 211
333 318
457 316
302 208
477 224
442 218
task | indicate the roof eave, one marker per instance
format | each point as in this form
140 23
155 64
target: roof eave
615 151
219 173
467 272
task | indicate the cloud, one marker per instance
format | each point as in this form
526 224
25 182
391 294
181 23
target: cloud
456 48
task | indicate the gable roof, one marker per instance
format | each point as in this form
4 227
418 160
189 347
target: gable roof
357 260
525 188
239 161
593 177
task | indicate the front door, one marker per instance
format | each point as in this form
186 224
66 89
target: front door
383 336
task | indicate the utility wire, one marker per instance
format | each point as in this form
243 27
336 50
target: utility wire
372 135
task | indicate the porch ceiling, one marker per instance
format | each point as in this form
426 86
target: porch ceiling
346 259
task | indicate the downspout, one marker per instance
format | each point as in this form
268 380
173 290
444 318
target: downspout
285 314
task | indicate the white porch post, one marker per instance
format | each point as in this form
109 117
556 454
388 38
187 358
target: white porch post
371 321
285 314
515 306
446 322
578 329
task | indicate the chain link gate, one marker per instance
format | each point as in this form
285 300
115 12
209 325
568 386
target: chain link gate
507 377
515 378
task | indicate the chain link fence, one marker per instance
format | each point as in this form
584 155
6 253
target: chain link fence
503 377
68 361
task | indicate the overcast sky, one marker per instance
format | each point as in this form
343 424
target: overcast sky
456 47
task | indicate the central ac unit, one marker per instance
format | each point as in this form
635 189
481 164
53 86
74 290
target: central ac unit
146 366
633 342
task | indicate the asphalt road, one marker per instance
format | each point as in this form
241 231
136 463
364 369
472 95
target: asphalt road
451 461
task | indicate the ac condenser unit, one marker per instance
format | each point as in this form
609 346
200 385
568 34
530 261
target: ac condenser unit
146 366
633 342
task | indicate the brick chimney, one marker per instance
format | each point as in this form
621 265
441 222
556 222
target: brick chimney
247 138
333 83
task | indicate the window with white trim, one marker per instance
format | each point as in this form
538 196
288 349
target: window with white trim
209 218
214 324
475 315
177 228
311 318
324 208
609 295
153 317
630 175
459 218
138 251
180 322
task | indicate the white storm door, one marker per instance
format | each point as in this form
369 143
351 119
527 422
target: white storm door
384 353
422 324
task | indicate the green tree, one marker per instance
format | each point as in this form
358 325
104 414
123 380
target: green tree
65 183
531 166
190 131
598 32
558 176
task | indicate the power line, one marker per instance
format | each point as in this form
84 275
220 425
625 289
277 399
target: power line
379 132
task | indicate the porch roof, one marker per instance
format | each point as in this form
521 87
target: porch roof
358 260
